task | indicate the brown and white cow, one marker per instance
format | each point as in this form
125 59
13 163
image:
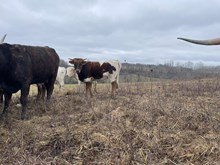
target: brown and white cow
89 71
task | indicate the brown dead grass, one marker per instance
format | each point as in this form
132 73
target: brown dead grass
148 123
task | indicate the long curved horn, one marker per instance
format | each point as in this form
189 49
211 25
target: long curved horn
3 38
215 41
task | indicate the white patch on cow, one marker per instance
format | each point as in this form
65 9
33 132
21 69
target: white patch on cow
106 74
61 73
90 79
71 72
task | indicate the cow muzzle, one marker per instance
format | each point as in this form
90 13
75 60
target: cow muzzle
77 71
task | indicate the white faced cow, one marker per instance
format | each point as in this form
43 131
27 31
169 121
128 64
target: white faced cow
90 71
71 72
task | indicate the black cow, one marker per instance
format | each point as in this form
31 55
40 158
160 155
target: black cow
21 66
89 71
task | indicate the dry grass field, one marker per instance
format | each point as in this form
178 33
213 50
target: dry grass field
161 123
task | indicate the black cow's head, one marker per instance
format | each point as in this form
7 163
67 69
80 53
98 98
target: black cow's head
106 67
78 63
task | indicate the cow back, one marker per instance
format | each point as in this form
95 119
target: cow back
44 63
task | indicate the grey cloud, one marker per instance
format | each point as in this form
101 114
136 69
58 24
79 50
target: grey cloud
142 31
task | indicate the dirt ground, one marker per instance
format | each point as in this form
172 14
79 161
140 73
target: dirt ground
157 123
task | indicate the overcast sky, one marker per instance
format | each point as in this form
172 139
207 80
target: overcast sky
138 31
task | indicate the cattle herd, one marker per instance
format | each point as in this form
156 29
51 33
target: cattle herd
22 65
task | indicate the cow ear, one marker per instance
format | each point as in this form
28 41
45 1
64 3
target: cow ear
71 61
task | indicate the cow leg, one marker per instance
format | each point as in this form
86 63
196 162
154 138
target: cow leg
6 103
95 89
61 86
1 96
50 86
41 91
23 99
114 87
89 89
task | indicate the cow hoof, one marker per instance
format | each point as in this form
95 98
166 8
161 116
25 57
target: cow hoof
22 117
25 117
3 116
